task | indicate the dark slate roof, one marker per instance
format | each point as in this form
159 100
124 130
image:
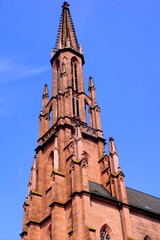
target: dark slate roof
135 198
143 201
99 190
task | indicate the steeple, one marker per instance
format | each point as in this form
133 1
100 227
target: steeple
70 151
66 37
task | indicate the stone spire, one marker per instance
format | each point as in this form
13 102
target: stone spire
66 37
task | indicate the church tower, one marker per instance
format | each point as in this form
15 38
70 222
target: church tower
76 191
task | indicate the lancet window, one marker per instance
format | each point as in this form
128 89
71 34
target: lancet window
87 113
104 233
74 75
58 73
50 117
147 238
75 105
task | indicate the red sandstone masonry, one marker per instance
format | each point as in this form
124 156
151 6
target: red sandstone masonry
69 155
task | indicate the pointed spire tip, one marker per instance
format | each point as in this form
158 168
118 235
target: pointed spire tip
66 31
65 4
111 139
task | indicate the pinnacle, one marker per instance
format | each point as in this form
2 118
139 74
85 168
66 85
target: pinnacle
45 89
91 83
112 146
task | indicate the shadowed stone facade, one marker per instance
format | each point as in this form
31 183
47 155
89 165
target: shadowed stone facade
76 191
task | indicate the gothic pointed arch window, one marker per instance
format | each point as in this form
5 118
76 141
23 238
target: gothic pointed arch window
105 233
58 73
74 71
75 105
50 117
87 109
147 238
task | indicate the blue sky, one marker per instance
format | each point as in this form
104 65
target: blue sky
121 45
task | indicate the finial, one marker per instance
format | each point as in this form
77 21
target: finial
111 139
65 5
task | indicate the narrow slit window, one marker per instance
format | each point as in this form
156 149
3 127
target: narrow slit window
50 118
87 114
74 76
73 105
77 105
58 74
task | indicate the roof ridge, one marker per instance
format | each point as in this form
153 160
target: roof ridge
143 193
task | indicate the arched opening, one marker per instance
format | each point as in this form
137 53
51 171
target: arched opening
64 63
58 74
105 232
147 238
87 113
50 117
74 73
75 106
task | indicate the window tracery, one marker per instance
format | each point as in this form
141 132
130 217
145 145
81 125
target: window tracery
75 105
104 233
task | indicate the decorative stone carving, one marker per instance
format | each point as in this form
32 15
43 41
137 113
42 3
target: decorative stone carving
84 163
121 179
72 165
53 176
